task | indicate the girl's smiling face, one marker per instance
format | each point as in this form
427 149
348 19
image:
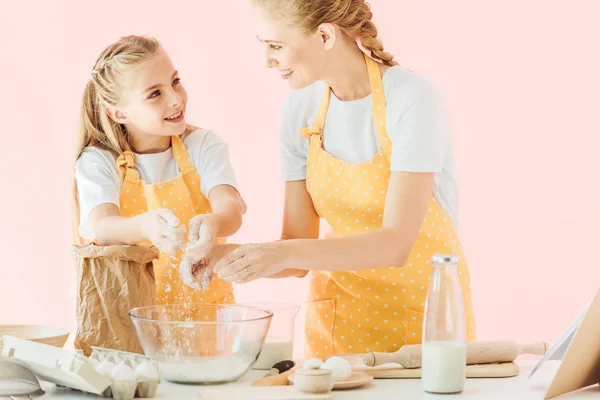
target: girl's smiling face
153 100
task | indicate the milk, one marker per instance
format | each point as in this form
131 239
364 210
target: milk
444 366
275 349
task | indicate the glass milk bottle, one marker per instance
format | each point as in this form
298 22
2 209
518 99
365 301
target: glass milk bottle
444 357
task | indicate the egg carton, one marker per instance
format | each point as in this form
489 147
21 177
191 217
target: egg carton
141 388
71 369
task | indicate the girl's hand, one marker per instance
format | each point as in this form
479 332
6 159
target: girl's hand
204 230
163 229
198 275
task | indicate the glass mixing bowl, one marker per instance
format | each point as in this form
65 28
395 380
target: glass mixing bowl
202 343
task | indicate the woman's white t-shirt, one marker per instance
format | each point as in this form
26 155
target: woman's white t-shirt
416 125
99 181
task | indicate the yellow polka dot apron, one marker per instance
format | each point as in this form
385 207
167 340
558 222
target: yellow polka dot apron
183 196
379 309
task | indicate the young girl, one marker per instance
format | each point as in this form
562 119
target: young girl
144 175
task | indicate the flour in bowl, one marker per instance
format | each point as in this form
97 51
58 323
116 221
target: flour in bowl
203 369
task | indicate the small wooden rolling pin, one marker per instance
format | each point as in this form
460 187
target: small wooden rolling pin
409 356
278 375
274 380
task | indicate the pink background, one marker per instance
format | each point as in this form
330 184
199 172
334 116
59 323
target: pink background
521 85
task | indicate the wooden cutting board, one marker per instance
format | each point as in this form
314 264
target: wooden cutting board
392 370
260 393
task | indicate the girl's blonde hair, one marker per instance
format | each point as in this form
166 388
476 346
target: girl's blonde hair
102 90
353 17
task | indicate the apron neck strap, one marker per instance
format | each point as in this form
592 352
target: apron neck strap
319 124
182 157
322 115
377 98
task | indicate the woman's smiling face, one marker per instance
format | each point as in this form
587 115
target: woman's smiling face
299 56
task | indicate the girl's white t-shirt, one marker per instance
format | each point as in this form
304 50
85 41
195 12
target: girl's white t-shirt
99 181
415 121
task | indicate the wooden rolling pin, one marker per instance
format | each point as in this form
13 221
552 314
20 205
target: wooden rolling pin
278 374
274 380
409 356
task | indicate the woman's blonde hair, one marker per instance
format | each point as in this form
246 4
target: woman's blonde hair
353 17
103 89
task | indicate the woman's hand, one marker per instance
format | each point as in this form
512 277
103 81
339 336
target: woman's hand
254 261
163 229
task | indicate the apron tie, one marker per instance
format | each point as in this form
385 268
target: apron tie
125 161
309 131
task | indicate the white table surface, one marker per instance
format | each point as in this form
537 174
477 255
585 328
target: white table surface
517 388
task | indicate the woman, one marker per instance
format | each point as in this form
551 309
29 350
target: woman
364 146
